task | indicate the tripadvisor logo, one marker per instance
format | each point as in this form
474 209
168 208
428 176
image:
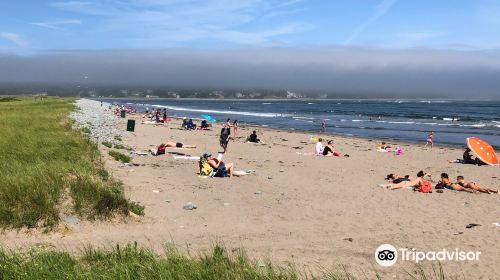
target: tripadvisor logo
387 255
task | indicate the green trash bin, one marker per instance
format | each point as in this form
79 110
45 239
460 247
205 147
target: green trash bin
130 125
123 113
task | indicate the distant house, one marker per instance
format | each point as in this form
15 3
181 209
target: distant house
238 95
291 95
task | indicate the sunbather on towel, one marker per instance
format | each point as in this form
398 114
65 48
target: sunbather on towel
446 183
178 145
409 182
471 185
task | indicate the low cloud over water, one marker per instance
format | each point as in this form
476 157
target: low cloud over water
379 72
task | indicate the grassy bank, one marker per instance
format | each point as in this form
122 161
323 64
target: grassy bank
133 262
48 169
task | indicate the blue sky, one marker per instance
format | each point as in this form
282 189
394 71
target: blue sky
30 26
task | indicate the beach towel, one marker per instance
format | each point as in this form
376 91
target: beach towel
186 157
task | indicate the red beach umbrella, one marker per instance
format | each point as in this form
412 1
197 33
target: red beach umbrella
482 150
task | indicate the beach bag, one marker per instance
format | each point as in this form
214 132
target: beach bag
425 186
160 150
205 168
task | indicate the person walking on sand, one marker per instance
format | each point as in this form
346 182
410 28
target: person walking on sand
430 140
224 136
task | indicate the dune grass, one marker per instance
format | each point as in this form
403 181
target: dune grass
45 164
134 262
119 156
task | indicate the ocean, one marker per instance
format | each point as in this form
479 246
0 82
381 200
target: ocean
408 120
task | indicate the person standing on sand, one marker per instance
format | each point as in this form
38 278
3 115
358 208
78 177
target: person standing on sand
224 136
235 128
430 139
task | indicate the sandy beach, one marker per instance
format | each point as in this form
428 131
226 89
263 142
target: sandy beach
315 212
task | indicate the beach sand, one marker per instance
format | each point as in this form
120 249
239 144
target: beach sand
314 212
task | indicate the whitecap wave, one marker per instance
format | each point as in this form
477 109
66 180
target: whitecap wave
229 112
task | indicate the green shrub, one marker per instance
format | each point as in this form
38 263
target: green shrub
136 208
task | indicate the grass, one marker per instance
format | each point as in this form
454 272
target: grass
134 262
122 147
120 157
45 163
8 99
107 144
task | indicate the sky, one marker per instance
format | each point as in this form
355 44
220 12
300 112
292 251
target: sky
379 43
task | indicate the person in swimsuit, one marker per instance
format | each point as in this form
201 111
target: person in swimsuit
473 186
446 183
235 127
430 139
221 169
328 150
178 145
398 183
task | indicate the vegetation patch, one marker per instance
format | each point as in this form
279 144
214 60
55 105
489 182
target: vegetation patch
120 157
42 156
8 99
122 147
134 262
107 144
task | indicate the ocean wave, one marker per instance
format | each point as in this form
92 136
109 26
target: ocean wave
402 122
304 118
229 112
266 103
357 120
434 101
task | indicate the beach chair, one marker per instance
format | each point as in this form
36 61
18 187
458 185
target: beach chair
205 168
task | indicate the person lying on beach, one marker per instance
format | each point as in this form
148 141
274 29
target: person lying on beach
221 169
329 151
471 185
384 146
407 182
161 149
178 145
446 183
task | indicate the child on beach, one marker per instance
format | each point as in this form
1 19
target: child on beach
430 139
